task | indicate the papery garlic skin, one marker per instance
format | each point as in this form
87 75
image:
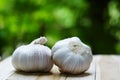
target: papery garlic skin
71 55
33 57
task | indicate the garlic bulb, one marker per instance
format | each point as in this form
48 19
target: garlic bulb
71 55
33 57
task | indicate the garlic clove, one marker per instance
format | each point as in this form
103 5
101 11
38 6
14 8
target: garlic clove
33 57
71 55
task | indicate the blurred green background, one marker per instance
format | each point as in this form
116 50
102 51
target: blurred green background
95 22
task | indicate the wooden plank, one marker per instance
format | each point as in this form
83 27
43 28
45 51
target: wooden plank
8 72
102 68
11 74
53 75
88 75
107 68
6 68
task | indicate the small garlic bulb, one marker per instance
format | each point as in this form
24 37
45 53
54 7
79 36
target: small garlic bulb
33 57
71 55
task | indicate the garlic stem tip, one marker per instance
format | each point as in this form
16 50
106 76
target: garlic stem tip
41 40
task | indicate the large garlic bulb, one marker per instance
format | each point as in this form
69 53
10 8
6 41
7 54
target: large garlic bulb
71 55
33 57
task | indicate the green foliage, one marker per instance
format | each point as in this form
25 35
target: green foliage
21 21
65 17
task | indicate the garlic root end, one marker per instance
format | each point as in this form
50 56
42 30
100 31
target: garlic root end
75 46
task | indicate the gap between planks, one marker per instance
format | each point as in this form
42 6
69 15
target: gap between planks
6 68
88 75
102 68
7 72
54 75
108 67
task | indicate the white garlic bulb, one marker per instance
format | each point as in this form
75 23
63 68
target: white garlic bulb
33 57
71 55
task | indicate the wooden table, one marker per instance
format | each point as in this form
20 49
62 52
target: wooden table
103 67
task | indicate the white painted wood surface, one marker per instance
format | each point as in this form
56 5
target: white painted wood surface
103 67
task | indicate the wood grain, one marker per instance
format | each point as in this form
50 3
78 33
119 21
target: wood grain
103 67
6 68
107 68
53 75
